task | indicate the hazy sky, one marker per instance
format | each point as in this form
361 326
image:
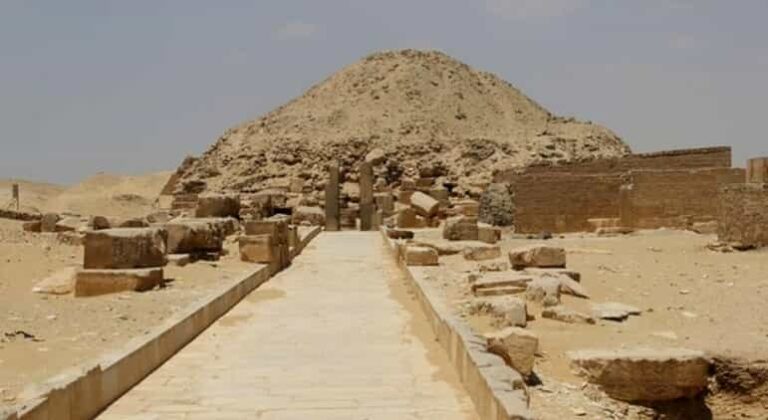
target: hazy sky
134 86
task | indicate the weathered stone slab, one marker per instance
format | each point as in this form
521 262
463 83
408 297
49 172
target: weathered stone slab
541 256
408 219
258 249
125 248
469 208
563 314
61 282
424 205
545 290
644 374
100 282
488 234
187 236
614 311
218 205
516 346
420 256
461 228
553 272
481 253
507 311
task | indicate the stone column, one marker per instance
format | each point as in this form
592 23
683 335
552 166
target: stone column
757 170
15 195
332 199
367 207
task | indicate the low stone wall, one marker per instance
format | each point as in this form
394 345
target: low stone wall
84 392
743 217
497 390
19 215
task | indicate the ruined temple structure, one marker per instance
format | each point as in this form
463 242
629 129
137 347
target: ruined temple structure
743 218
673 189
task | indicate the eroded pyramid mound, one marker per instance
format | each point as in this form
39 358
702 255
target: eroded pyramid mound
423 113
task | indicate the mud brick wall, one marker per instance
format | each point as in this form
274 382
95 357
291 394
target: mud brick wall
710 157
743 216
563 202
655 199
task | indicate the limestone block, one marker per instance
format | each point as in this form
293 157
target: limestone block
424 205
469 208
48 222
408 219
71 224
59 283
461 228
420 255
488 234
404 197
94 282
614 311
33 226
218 205
644 374
187 236
757 170
563 314
136 222
313 216
125 248
258 249
507 311
541 256
441 195
275 227
545 290
516 346
481 252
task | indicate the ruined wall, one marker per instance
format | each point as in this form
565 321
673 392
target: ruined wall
674 198
743 215
710 157
563 202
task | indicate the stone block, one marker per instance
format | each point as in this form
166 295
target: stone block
59 283
545 290
34 226
757 170
541 256
399 234
420 256
441 195
409 219
218 205
125 248
404 197
189 236
481 252
488 234
98 223
469 208
644 374
313 216
424 205
277 228
179 260
516 346
507 311
461 228
569 316
258 249
48 222
90 282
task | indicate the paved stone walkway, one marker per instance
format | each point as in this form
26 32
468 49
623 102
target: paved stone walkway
335 336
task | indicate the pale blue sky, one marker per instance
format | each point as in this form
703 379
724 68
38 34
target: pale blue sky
134 86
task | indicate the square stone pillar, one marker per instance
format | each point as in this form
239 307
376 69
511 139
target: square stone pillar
332 193
367 207
757 170
15 195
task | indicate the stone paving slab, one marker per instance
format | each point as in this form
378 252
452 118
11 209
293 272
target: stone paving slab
335 336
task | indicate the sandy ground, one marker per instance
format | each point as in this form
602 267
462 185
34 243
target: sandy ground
65 331
102 194
691 297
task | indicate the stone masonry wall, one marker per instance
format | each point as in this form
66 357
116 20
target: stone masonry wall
675 198
710 157
743 214
563 202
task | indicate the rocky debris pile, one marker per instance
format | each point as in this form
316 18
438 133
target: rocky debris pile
413 114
